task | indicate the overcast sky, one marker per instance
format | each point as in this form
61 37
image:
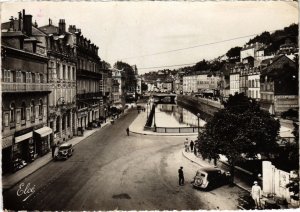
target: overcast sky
128 31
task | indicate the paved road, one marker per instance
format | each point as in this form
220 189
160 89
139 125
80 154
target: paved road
110 170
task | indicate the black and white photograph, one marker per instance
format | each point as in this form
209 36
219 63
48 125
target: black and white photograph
149 105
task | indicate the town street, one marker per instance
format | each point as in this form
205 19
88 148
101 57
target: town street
110 170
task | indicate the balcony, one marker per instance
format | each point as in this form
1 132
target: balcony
24 87
85 96
88 74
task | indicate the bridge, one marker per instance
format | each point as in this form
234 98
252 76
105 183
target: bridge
164 98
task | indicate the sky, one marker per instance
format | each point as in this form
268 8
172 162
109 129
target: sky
146 33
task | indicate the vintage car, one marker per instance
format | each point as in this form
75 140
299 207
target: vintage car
209 178
64 151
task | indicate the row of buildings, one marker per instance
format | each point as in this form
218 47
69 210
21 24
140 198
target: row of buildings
54 85
271 79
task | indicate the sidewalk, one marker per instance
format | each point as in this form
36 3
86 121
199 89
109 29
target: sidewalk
10 180
137 126
195 159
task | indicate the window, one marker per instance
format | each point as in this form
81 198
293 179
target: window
33 77
64 122
23 111
37 78
12 113
42 79
41 108
23 76
58 71
69 73
57 124
32 110
74 76
64 72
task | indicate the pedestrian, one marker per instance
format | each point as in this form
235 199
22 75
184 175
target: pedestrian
181 176
192 146
53 150
256 194
127 131
186 145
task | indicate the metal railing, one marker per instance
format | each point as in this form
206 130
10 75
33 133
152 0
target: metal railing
177 129
24 87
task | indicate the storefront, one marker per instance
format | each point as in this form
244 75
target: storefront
23 149
42 140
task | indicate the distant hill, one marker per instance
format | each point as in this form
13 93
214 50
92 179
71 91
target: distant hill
274 40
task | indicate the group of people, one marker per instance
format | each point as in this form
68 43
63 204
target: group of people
190 146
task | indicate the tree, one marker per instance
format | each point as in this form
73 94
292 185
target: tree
201 66
240 128
130 80
234 53
144 86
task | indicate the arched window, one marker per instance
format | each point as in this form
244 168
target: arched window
32 110
41 107
12 113
23 111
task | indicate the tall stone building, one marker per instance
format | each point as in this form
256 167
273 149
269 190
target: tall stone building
89 98
62 80
25 135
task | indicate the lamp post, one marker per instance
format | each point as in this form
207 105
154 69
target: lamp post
154 105
147 109
198 116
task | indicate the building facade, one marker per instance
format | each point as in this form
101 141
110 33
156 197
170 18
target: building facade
25 135
62 80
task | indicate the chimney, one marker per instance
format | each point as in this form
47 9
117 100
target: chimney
72 28
20 21
62 26
27 24
11 23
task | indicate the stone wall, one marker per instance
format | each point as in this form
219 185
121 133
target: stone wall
205 107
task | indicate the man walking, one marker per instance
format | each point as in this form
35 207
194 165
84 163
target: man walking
192 146
53 150
127 131
256 194
181 176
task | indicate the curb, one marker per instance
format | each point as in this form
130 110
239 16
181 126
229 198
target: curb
162 134
15 183
241 187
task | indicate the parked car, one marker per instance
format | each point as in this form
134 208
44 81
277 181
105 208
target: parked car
209 178
64 151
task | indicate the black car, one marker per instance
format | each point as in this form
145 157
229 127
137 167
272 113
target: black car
209 178
64 151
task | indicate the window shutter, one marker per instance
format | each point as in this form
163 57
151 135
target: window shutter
28 114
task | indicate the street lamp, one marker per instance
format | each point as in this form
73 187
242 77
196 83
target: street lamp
154 105
147 108
198 116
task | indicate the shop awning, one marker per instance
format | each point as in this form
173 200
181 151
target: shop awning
23 137
44 131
